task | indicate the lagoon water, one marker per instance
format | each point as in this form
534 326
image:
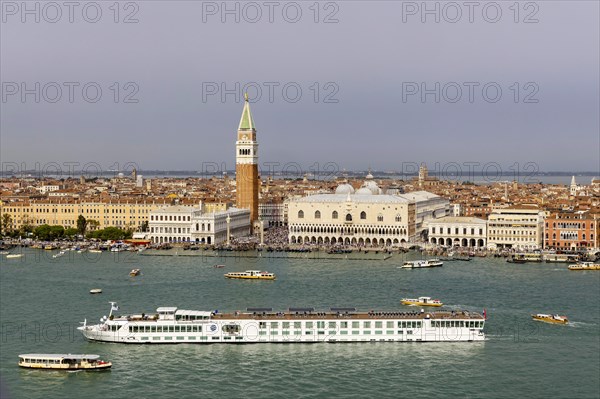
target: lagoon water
43 300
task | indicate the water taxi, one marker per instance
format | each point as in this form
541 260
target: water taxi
13 256
585 266
96 291
418 264
421 301
63 362
550 318
134 272
170 325
252 275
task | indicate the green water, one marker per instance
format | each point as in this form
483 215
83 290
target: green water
43 300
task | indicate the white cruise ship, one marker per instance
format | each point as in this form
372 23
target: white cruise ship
263 325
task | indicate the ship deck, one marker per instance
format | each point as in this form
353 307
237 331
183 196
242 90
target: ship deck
349 316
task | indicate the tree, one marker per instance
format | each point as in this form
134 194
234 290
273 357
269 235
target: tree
93 224
144 226
48 233
6 224
81 224
71 232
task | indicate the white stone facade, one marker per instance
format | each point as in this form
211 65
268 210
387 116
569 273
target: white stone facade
516 227
458 231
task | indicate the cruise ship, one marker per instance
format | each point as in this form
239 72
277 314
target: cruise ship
170 325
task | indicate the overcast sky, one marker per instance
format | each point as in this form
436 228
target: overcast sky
362 80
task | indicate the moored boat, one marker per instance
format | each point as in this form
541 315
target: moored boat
585 266
134 272
550 318
418 264
421 301
170 325
96 291
251 275
63 362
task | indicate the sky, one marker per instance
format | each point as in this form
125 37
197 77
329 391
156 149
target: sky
343 85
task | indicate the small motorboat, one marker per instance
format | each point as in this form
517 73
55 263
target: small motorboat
219 266
421 301
550 318
13 256
134 272
96 291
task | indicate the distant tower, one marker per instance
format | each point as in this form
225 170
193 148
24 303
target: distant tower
246 163
573 188
134 174
423 173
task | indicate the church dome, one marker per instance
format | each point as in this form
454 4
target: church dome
344 189
364 191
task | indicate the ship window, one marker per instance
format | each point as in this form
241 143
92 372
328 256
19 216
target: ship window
275 324
344 324
309 324
409 332
262 324
344 332
308 333
389 324
189 328
332 324
286 333
320 324
332 332
177 329
419 324
378 332
297 332
390 332
297 324
321 332
274 333
367 324
262 333
355 324
286 324
367 332
378 324
355 332
171 329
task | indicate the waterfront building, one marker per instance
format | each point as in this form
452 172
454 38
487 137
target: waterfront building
363 217
246 163
203 224
65 211
571 230
273 214
518 227
458 231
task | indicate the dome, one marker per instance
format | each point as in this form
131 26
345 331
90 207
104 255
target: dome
344 189
372 187
364 191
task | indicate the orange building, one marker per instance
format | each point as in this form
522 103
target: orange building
246 164
571 230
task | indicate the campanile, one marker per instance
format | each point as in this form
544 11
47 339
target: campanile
246 163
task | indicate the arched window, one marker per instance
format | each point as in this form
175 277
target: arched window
380 218
363 215
334 215
398 218
349 217
317 214
300 214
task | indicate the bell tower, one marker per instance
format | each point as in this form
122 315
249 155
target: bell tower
246 163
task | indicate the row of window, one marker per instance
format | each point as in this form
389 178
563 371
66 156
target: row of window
171 218
164 329
334 215
572 225
456 230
